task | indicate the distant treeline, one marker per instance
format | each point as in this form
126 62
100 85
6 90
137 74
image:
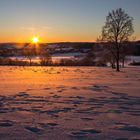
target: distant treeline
17 49
63 62
95 54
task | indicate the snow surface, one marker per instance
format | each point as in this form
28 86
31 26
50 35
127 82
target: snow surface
69 103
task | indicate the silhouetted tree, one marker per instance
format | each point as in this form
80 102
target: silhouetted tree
117 29
45 57
88 60
29 51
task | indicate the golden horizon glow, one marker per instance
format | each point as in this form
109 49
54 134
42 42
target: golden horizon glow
22 38
35 40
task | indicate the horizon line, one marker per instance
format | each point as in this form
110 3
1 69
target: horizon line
58 42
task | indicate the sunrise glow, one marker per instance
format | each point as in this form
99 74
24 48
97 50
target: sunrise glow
35 40
69 69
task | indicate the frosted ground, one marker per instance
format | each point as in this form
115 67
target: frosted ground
69 103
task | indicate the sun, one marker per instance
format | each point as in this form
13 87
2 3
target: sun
35 39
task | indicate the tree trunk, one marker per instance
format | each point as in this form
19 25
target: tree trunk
117 65
30 62
118 58
113 65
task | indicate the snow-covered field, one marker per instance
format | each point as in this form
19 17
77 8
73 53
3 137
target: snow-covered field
69 103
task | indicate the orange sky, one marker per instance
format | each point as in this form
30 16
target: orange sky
60 20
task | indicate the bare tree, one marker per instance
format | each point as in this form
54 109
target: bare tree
30 52
117 29
45 57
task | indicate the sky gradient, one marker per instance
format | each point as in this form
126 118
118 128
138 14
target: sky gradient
60 20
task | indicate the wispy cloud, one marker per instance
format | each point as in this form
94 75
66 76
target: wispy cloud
36 28
27 28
